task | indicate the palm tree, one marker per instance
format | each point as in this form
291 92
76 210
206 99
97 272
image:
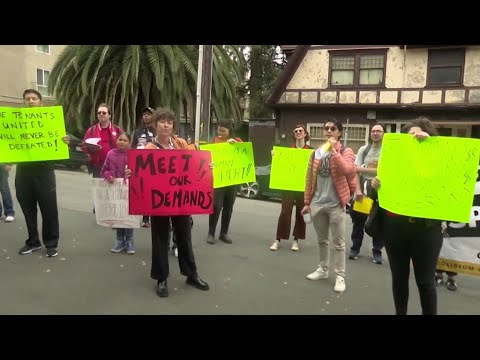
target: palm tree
130 77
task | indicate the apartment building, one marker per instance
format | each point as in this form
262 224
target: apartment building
390 84
23 67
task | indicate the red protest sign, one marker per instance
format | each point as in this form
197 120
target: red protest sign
170 182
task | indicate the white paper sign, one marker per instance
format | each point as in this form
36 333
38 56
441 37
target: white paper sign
111 204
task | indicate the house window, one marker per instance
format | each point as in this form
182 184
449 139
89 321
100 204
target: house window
43 49
356 135
364 69
42 81
445 67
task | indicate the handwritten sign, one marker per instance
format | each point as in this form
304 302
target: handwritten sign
111 204
234 163
433 178
170 182
461 251
289 167
32 134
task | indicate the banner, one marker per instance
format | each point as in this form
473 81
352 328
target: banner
289 168
461 249
170 182
234 163
111 204
32 134
433 178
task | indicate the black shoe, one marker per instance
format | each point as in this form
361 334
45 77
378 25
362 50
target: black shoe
451 284
51 252
27 249
162 289
225 238
197 282
377 259
353 254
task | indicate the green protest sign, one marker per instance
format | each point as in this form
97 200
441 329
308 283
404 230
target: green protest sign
32 134
289 167
434 178
233 163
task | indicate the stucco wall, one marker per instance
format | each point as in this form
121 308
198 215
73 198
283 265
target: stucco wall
312 73
472 66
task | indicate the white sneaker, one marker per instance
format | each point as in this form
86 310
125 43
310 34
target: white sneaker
9 218
339 284
275 246
318 274
295 246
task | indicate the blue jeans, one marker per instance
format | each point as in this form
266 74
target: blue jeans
124 234
6 194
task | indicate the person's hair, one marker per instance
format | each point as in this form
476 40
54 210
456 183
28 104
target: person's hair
423 123
129 137
227 124
32 91
109 111
337 123
164 114
307 137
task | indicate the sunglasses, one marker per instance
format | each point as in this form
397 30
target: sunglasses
298 131
102 113
330 128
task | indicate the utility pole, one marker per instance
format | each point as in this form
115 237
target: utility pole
204 94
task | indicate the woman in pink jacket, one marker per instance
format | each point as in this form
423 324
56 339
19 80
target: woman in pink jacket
330 181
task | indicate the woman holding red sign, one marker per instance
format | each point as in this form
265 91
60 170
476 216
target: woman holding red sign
160 225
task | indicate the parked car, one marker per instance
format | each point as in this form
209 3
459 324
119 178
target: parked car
77 156
260 187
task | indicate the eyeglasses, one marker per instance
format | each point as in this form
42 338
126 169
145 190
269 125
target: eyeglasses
376 131
330 128
298 131
102 113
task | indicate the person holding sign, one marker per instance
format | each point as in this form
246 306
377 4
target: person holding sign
114 167
224 197
329 181
291 198
160 225
412 239
35 185
366 164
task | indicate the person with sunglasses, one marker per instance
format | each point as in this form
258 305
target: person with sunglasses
330 181
103 138
290 199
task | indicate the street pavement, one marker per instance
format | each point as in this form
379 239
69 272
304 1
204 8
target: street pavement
245 277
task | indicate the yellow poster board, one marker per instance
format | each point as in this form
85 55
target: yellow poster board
233 163
289 167
434 178
32 134
364 206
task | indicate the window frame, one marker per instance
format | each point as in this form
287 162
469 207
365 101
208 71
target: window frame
356 70
429 66
47 94
43 52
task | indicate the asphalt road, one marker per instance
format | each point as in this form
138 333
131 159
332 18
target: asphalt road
245 277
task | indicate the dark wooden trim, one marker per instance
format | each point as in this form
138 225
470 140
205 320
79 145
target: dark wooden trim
337 97
467 96
416 106
420 97
318 97
357 97
351 47
287 73
399 96
442 100
378 97
351 88
462 71
300 96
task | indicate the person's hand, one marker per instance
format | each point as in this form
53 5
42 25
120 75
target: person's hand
66 139
358 196
111 179
333 145
211 165
376 183
306 209
421 135
272 152
231 141
128 172
8 168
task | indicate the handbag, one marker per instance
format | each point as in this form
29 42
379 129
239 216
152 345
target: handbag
373 225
